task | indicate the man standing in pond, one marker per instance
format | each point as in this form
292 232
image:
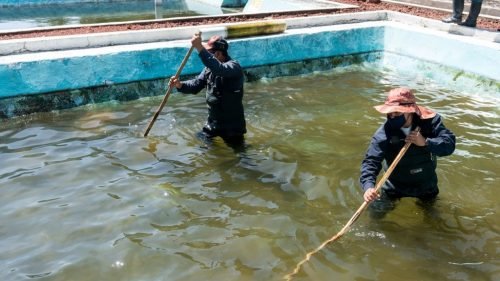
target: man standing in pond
415 174
223 79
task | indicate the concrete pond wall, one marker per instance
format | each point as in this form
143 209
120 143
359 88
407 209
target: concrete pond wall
44 81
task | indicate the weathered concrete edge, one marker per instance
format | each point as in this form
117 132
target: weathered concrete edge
79 41
265 15
472 56
60 43
437 25
35 73
293 46
17 46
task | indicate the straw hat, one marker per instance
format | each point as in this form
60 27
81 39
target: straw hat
403 100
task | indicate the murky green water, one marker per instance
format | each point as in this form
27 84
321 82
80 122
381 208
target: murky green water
83 196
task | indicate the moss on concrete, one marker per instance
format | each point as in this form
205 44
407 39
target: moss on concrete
255 28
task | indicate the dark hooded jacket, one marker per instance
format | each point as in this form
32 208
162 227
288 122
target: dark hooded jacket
415 174
224 95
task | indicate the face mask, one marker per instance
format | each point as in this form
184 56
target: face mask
397 122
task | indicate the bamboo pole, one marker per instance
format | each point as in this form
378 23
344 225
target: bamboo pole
356 215
170 87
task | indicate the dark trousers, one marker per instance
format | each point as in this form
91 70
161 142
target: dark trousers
389 197
235 141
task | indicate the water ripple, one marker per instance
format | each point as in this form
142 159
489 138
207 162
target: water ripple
91 199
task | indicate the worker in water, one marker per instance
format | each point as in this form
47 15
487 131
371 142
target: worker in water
223 79
415 174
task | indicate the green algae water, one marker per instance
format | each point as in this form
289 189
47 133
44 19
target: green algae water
83 196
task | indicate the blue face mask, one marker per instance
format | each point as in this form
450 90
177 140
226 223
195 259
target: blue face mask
396 122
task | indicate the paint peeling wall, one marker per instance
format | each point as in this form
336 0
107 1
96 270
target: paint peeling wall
57 71
23 105
472 56
56 80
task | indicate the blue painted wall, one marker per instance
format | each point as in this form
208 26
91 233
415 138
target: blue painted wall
297 47
48 75
115 65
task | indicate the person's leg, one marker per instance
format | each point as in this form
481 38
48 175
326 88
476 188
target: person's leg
206 136
427 203
475 9
236 142
458 9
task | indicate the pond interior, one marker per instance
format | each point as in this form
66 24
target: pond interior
84 196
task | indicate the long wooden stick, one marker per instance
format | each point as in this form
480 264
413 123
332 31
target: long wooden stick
356 215
167 94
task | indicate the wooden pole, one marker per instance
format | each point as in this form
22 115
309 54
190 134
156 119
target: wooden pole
170 87
356 215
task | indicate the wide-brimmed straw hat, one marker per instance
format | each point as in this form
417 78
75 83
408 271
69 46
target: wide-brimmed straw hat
403 100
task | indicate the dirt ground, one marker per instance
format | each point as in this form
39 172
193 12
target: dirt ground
482 23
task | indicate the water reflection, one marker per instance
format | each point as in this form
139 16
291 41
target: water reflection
86 197
16 16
